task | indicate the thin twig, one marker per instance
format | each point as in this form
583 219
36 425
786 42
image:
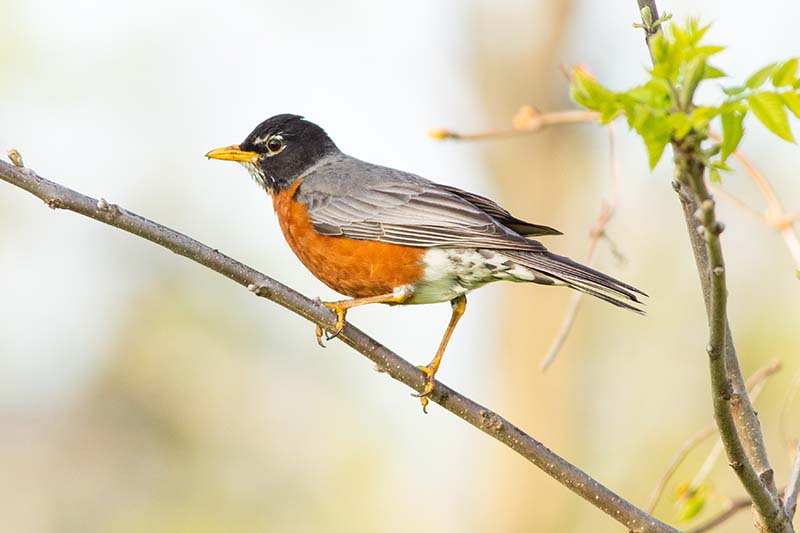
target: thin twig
775 216
676 461
59 197
754 384
595 234
737 203
733 508
793 486
788 399
527 120
736 420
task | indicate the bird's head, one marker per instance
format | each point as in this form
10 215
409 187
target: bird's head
279 150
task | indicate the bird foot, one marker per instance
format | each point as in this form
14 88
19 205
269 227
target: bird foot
430 381
341 312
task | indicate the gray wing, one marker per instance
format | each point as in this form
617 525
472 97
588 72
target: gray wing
368 202
502 215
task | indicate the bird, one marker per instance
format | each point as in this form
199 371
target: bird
380 235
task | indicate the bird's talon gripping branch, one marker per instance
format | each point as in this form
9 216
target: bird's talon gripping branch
430 382
340 308
319 333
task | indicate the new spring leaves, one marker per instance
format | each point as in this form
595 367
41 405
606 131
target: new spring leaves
662 109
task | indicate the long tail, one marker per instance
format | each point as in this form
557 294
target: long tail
579 277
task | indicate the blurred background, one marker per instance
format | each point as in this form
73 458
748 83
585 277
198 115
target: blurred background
141 392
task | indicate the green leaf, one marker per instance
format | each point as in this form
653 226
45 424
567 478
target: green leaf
696 31
680 124
713 72
656 133
702 115
655 148
588 92
692 499
714 175
732 131
768 108
660 47
792 101
786 75
654 94
708 51
693 506
757 80
693 75
733 91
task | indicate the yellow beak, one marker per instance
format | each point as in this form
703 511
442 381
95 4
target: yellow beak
233 153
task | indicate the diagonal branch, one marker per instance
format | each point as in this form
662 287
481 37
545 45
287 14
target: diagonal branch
59 197
754 386
733 508
597 232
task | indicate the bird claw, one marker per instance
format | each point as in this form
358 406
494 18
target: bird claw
430 382
319 333
341 312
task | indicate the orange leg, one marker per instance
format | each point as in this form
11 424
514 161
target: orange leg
341 308
459 305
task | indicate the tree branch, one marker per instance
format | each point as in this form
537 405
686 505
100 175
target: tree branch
793 486
597 232
736 420
59 197
527 120
775 216
734 507
754 385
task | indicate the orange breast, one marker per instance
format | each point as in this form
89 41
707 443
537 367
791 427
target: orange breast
355 268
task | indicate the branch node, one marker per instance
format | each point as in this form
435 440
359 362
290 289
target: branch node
102 205
54 203
707 205
490 421
767 477
719 227
718 271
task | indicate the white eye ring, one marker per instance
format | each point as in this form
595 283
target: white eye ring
275 145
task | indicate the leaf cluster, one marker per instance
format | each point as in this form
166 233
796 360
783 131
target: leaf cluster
662 109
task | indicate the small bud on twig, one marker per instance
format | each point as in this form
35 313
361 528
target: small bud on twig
16 158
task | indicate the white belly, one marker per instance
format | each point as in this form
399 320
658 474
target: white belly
451 272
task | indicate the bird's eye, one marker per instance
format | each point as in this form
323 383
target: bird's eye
275 144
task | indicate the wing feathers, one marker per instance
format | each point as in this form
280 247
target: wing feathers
410 214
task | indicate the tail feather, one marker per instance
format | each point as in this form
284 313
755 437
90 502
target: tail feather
581 278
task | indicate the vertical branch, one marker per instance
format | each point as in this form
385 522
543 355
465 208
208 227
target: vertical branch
736 420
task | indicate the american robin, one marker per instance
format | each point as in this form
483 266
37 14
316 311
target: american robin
380 235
